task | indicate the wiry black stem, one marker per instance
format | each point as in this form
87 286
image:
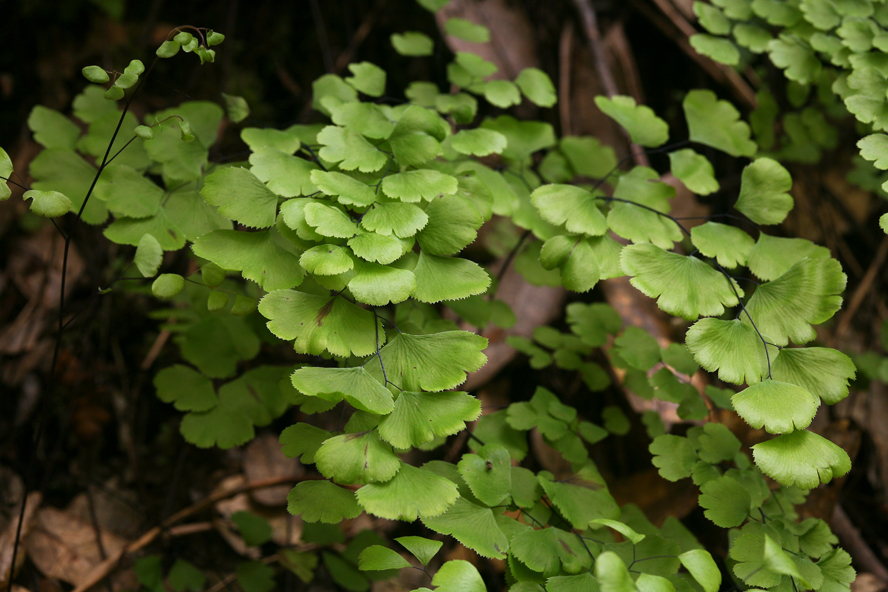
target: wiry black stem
106 159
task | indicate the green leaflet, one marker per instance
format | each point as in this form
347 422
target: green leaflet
458 575
478 142
500 93
551 550
322 501
683 286
349 149
379 285
187 389
356 385
729 246
636 217
283 174
796 57
52 129
264 257
537 87
719 49
254 529
523 137
367 119
379 248
717 444
807 294
95 142
625 530
253 399
421 548
367 78
58 169
712 18
467 30
377 557
149 256
772 256
801 459
730 347
580 505
357 458
319 323
612 574
241 197
303 440
717 124
643 125
822 371
434 362
216 343
167 285
488 473
582 260
287 141
448 278
412 493
326 260
763 198
329 221
588 157
401 219
593 322
638 348
49 204
453 222
5 172
350 190
418 418
414 186
472 525
702 567
726 500
674 456
571 206
412 43
126 192
694 170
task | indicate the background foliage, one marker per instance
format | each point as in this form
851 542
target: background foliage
388 230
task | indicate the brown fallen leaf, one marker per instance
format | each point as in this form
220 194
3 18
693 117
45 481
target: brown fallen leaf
64 547
8 537
264 460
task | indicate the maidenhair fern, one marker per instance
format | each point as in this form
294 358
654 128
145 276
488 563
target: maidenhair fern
351 230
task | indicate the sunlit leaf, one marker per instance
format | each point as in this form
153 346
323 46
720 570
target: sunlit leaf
683 286
730 347
319 323
807 294
472 525
694 170
763 198
640 121
264 257
433 362
802 459
241 197
418 418
412 493
717 124
412 43
448 278
356 385
357 458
